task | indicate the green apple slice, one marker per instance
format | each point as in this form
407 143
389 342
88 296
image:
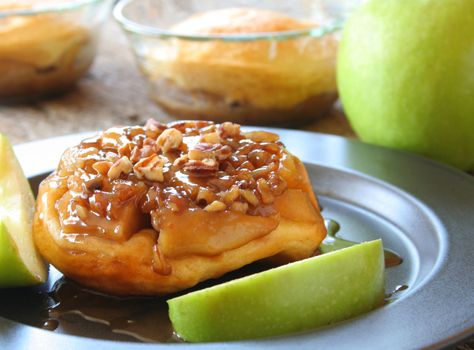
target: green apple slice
299 296
20 263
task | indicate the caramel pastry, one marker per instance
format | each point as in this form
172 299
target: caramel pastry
157 209
41 54
263 81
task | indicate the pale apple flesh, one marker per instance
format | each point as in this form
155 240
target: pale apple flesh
13 271
296 297
20 263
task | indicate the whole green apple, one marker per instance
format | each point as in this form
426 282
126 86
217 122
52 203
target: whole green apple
406 76
299 296
20 263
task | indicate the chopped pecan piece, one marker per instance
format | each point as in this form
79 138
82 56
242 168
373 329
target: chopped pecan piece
264 170
250 197
216 206
223 153
152 124
231 195
133 131
229 129
201 168
111 156
208 129
259 158
169 139
93 184
102 167
205 195
246 165
135 155
278 184
179 162
126 150
261 136
89 151
197 154
271 147
121 166
151 168
265 191
241 207
147 151
95 141
212 137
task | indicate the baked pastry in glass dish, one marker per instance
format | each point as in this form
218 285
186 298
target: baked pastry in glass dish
247 65
45 47
157 209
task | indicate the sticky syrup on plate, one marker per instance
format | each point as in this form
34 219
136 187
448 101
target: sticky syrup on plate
332 242
69 308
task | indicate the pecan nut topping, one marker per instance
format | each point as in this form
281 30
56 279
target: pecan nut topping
201 168
151 168
187 164
215 206
169 139
121 166
228 129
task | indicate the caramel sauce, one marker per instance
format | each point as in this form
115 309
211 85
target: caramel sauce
50 324
69 308
392 259
397 290
109 192
143 319
333 242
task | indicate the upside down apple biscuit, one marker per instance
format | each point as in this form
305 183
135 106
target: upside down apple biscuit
157 209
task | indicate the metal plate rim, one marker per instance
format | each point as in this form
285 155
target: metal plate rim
345 155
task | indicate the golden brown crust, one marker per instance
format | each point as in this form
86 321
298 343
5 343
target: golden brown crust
163 247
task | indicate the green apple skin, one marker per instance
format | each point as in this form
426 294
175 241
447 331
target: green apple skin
20 263
296 297
406 76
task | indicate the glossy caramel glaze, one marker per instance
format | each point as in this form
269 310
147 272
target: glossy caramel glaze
157 209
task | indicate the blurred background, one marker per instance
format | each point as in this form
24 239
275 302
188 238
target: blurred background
121 86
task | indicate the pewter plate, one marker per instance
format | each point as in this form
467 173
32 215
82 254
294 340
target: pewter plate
421 209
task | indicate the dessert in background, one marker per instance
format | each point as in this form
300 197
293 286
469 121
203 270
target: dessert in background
160 208
261 81
44 50
246 65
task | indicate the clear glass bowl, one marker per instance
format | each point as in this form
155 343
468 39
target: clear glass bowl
46 46
261 68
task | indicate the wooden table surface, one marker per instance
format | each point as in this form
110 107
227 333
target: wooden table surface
113 93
